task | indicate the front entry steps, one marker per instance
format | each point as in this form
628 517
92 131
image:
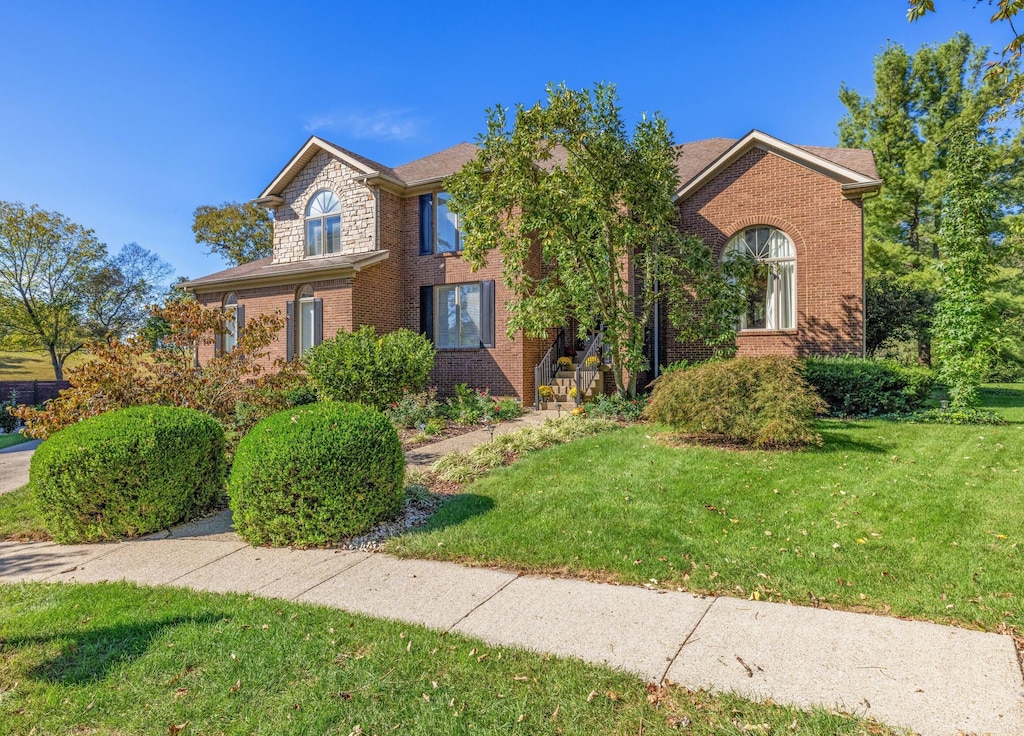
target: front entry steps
565 380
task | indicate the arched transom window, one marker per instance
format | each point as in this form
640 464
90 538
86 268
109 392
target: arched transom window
771 300
323 224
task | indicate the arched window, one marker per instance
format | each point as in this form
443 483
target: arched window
323 224
307 319
771 301
231 315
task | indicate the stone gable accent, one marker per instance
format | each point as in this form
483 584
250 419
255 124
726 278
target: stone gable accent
358 209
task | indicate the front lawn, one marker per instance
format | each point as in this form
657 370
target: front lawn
925 521
10 440
19 518
115 658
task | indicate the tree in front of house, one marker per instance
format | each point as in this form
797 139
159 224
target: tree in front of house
58 288
919 101
238 232
583 216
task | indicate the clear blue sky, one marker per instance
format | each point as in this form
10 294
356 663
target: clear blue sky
126 116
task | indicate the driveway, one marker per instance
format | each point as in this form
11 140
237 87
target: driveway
14 465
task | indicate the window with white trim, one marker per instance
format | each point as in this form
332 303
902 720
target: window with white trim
771 299
323 224
306 321
458 315
230 339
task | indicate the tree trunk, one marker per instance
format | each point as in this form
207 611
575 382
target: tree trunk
58 364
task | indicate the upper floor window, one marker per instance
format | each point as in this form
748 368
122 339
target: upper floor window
439 226
771 300
323 224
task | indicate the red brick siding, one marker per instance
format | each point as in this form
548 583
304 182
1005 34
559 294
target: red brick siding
762 188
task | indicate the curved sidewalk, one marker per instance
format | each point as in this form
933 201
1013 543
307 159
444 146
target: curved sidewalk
936 680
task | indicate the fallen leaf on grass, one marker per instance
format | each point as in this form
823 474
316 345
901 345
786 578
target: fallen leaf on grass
236 687
181 692
175 729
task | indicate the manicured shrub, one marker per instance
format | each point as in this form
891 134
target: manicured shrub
366 369
315 474
128 472
858 387
619 407
763 402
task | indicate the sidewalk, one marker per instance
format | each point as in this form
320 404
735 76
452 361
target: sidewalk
936 680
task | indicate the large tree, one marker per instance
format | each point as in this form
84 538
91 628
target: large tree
46 261
919 101
563 180
239 232
119 291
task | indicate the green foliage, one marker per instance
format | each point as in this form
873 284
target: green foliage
9 422
962 334
473 405
761 401
462 467
619 407
970 416
363 368
239 232
414 409
921 104
855 387
315 474
565 181
128 472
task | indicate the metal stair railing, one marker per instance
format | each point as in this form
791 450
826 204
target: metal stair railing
586 369
545 370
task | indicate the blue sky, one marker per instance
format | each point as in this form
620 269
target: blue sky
127 116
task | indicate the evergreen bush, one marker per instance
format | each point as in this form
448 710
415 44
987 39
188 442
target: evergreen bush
315 474
128 472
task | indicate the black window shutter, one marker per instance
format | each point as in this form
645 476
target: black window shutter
426 224
239 321
318 321
289 330
487 314
427 312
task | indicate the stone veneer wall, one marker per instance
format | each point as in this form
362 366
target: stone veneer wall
358 209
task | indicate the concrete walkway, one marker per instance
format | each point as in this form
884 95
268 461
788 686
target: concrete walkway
14 462
422 457
936 680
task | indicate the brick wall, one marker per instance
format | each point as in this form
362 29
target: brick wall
358 216
761 188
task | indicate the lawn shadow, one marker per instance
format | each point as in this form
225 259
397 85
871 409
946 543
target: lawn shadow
455 511
838 437
998 398
88 655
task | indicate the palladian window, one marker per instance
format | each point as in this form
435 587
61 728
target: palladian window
323 224
771 300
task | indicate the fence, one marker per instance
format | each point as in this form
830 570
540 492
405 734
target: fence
32 392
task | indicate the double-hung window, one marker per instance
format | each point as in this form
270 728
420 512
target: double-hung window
439 227
233 319
323 224
458 315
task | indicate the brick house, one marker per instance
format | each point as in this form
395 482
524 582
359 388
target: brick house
359 243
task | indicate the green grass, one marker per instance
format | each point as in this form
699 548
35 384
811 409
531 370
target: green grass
32 366
924 521
118 659
9 440
19 518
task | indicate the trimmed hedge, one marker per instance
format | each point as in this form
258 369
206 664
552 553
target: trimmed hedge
856 387
128 472
763 402
366 369
315 474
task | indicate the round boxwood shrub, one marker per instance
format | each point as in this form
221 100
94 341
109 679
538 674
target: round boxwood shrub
314 474
128 472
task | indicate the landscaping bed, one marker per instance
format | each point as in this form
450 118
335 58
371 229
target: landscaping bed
915 520
118 658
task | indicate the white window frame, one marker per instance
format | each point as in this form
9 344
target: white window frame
305 299
230 340
776 319
441 311
324 217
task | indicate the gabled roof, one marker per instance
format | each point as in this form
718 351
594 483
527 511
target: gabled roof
437 165
701 161
311 148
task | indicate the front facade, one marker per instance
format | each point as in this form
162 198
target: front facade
358 243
